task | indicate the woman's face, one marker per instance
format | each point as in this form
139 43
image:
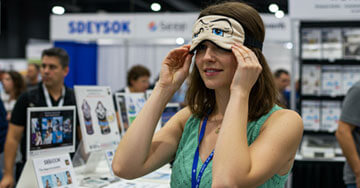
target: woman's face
141 84
216 66
7 83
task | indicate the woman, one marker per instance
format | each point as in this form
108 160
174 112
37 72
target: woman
246 140
14 85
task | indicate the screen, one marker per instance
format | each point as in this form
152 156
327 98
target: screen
170 110
51 128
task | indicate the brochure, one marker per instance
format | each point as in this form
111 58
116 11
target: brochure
311 80
332 44
311 43
351 43
330 114
331 81
350 77
311 115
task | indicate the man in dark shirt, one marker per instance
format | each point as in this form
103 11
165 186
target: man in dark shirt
50 92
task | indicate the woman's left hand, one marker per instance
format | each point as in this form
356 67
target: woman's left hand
247 71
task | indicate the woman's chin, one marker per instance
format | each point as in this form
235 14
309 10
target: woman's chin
216 86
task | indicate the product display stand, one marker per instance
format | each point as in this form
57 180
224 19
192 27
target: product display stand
89 161
28 176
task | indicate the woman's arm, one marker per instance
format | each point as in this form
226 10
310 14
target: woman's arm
138 152
235 163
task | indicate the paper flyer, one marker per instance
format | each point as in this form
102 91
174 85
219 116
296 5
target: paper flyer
331 80
54 172
310 112
332 43
134 103
97 117
311 80
330 115
311 43
51 130
351 43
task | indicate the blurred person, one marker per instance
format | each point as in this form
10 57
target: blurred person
68 178
38 139
348 136
14 86
287 95
48 136
3 131
32 75
137 81
282 81
50 92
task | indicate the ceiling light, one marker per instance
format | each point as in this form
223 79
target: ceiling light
273 7
289 45
155 7
279 14
58 10
180 41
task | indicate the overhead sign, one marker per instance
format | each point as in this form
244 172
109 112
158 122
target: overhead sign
324 9
144 26
165 25
90 26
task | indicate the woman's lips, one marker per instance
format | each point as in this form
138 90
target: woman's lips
212 71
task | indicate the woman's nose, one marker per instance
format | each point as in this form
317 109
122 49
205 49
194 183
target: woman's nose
209 54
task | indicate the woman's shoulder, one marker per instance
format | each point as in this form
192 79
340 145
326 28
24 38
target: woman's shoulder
183 116
285 117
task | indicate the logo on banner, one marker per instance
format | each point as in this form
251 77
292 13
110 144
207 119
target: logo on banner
167 26
152 26
99 27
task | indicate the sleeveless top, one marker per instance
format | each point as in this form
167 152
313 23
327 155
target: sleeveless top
182 166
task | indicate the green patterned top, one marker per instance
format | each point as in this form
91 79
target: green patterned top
182 166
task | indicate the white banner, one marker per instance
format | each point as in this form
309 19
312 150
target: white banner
276 29
91 26
144 26
324 9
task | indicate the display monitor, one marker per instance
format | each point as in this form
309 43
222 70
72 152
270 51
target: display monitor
50 130
170 110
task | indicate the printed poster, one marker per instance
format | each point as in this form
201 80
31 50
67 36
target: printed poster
97 117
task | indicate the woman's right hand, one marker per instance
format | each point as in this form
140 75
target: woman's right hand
175 68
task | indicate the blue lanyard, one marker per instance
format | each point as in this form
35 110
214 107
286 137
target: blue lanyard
195 182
